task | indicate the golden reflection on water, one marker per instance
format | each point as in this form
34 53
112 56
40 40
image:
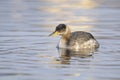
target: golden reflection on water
52 10
83 4
81 28
57 1
88 4
62 11
81 19
71 21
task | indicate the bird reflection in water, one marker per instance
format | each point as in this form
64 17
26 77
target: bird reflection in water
67 54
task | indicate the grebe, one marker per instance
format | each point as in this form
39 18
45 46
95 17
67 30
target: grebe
74 40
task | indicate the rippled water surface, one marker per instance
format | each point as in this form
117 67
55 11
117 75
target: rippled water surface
27 53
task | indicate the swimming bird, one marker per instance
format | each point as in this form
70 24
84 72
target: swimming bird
77 40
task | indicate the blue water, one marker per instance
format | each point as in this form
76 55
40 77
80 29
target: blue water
27 53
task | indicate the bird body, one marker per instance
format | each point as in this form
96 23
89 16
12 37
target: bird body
78 40
75 40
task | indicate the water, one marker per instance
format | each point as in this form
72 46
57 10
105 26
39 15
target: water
27 53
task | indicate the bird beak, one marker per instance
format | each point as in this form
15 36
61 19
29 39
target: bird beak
54 33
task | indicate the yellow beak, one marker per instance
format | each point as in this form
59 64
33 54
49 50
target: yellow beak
54 33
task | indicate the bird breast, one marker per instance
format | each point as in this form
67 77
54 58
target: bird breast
62 43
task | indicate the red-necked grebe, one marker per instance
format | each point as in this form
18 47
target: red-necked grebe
74 40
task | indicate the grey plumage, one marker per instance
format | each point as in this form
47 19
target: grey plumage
81 37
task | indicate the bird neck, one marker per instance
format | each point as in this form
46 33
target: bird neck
66 35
